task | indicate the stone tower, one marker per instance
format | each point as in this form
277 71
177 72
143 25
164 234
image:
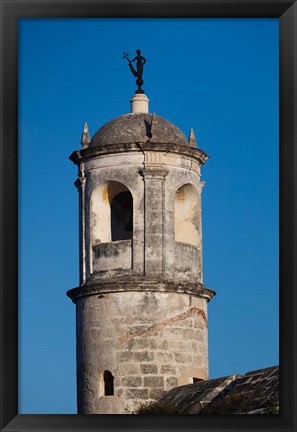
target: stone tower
141 306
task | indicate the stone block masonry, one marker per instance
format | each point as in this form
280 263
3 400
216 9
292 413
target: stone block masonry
141 306
146 353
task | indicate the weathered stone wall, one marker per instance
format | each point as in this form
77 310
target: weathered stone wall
104 255
186 260
150 342
121 170
150 335
154 180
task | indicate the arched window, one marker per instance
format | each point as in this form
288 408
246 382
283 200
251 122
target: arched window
111 211
110 227
186 215
121 207
108 383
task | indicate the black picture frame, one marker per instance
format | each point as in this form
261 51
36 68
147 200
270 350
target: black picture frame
11 11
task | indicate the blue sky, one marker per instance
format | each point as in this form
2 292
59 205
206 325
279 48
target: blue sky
219 76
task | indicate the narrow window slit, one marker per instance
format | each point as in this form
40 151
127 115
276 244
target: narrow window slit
108 383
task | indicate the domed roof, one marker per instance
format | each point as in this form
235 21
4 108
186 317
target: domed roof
139 128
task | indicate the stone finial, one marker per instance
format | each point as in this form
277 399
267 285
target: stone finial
85 138
192 139
139 103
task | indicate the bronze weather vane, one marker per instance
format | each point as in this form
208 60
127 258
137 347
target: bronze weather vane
138 72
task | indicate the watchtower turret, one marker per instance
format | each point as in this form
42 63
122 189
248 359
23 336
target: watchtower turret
141 306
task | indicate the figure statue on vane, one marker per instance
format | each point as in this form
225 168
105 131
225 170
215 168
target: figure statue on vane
140 61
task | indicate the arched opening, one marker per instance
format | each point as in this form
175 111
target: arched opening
111 227
186 215
108 383
111 211
121 208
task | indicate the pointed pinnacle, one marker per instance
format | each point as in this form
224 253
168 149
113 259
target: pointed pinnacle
85 138
192 139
